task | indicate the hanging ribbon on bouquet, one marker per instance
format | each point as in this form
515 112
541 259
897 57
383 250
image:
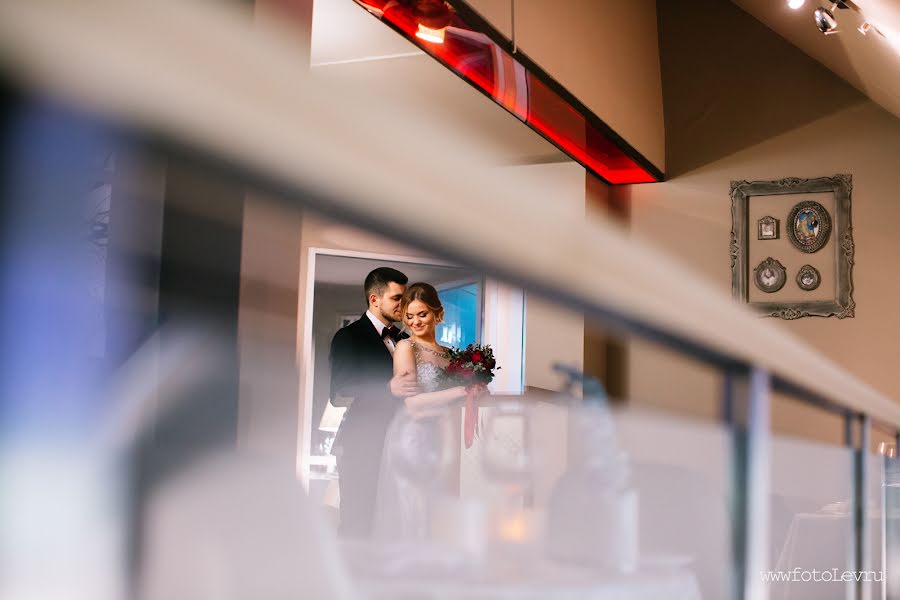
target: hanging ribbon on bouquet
472 367
470 420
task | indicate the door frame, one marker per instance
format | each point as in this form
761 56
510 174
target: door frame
307 349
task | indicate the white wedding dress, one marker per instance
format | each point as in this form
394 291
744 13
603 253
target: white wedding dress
417 452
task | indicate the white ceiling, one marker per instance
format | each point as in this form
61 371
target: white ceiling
341 270
343 31
349 43
870 63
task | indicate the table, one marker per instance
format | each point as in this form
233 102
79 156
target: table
427 572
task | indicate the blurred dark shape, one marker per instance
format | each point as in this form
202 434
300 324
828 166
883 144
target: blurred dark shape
199 289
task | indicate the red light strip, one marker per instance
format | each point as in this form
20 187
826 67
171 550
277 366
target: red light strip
476 52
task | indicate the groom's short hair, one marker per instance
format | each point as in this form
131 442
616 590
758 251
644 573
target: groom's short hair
377 281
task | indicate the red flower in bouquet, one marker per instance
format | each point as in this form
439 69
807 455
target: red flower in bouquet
472 366
474 369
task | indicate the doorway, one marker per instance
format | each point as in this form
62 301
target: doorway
335 298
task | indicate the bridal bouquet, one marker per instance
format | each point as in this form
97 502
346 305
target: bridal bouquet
474 369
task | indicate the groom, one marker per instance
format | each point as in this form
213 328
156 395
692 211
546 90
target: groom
361 379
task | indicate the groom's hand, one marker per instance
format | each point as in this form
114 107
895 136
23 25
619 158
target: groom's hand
404 385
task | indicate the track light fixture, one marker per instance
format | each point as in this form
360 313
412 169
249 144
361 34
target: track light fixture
429 34
431 16
825 20
827 24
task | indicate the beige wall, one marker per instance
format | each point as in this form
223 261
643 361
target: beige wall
604 52
730 83
824 260
267 322
552 334
497 12
267 319
789 117
690 217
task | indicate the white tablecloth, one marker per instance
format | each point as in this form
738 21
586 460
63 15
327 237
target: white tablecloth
822 542
430 573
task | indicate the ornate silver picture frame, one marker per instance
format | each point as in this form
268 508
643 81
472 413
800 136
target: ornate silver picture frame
769 276
837 229
809 226
767 228
808 278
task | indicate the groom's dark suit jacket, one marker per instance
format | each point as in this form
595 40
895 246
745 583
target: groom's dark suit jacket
361 369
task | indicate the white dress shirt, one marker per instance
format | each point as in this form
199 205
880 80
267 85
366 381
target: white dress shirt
379 327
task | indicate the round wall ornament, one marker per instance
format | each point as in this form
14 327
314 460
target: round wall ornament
808 278
809 226
769 276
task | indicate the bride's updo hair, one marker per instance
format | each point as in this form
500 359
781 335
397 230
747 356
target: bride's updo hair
427 295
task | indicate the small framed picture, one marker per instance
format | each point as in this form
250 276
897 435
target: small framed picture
767 228
808 278
769 276
344 320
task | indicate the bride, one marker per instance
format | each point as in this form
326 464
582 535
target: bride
418 443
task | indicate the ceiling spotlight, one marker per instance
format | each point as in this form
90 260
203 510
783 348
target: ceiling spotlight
795 4
865 27
825 20
436 36
430 16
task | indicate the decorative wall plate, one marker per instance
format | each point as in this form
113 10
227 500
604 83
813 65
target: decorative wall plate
769 276
808 278
809 226
767 228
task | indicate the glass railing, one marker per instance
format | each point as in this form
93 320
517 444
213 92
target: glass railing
192 452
